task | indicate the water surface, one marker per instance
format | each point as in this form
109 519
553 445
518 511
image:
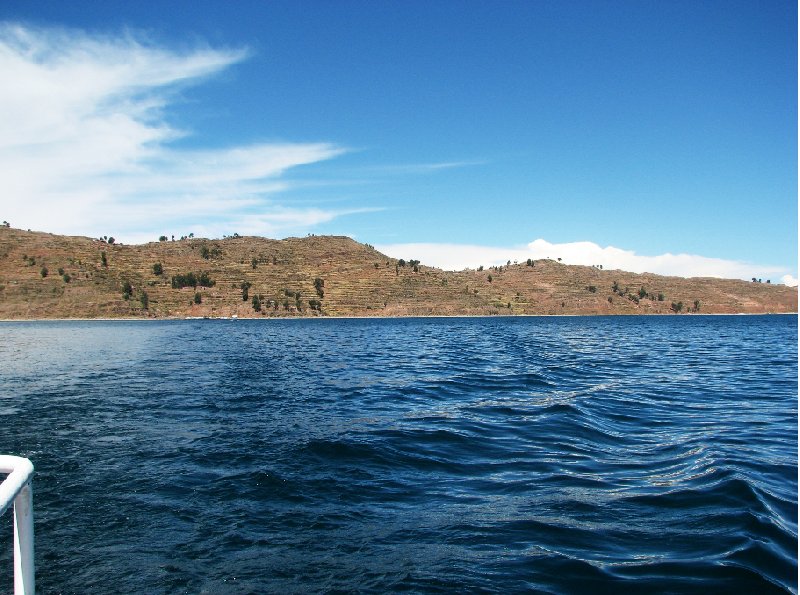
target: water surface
559 455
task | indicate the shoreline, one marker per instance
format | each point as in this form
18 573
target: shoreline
432 316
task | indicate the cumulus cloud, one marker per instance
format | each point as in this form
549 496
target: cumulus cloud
87 149
461 256
789 280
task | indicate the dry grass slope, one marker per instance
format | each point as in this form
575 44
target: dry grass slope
358 281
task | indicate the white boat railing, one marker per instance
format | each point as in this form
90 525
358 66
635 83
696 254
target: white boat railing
17 489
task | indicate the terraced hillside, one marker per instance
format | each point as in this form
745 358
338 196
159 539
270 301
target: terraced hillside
50 276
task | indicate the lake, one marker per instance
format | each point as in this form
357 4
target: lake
556 455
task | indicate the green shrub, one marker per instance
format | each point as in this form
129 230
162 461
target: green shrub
208 253
192 280
158 269
43 272
187 280
197 297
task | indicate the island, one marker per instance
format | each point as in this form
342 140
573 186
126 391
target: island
46 276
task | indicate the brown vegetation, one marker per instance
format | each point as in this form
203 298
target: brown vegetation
328 276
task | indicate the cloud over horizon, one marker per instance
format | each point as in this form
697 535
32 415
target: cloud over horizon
456 257
86 145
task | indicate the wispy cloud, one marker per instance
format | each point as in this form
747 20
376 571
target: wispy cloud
421 168
87 149
461 256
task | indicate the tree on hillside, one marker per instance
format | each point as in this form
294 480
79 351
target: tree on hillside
162 238
158 269
245 286
318 285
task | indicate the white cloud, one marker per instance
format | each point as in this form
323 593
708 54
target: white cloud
460 256
85 144
789 280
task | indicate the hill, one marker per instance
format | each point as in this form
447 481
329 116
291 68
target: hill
50 276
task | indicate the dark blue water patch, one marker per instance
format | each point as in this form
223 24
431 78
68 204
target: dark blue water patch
552 455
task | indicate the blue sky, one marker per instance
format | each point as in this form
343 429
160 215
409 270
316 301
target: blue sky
657 136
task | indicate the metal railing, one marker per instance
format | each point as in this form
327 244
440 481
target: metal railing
17 489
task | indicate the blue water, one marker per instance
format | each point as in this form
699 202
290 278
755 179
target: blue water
559 455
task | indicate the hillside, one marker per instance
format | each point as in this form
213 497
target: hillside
356 280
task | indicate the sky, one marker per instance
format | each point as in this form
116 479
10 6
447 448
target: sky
638 135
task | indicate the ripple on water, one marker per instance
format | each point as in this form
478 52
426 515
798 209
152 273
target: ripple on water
485 455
